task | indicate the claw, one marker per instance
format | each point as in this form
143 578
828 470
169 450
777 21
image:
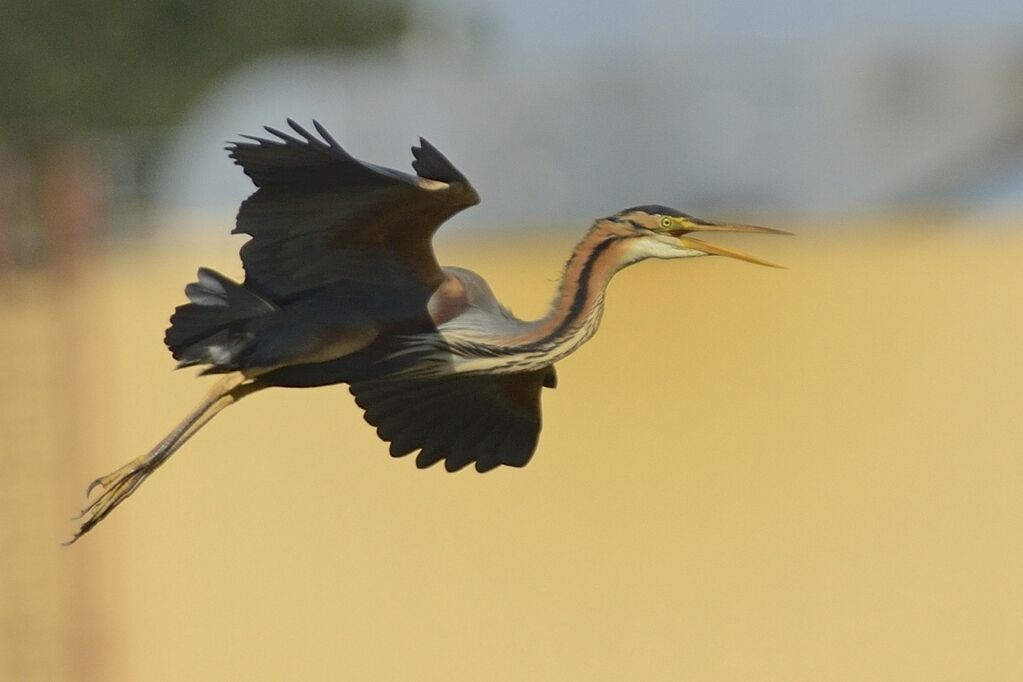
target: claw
117 487
96 482
114 476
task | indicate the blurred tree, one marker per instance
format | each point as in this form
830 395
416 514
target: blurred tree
109 64
74 72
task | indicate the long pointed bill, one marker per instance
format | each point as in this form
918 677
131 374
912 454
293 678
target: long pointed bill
715 226
711 249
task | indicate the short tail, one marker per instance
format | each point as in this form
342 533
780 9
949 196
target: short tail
210 329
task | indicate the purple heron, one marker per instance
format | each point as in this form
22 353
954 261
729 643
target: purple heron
342 286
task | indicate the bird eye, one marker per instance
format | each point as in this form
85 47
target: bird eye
666 222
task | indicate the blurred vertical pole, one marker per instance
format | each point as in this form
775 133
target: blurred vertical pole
73 208
53 612
31 580
8 178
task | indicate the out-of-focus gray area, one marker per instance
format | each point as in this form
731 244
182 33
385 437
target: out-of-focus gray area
558 112
577 109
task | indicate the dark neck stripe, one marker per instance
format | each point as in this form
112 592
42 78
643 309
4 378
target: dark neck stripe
575 309
619 220
579 298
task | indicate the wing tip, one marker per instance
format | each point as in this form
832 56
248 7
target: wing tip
309 137
429 163
325 134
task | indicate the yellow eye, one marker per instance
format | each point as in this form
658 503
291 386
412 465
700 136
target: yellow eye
666 222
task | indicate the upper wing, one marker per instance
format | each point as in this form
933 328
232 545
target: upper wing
319 215
490 419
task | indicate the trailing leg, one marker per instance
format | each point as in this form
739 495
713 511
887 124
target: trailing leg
120 484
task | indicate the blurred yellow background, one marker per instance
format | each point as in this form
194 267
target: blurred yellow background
749 474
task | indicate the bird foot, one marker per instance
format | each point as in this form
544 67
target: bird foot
117 487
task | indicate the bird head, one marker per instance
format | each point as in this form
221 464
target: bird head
667 233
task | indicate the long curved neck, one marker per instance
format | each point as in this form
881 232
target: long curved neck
573 317
575 313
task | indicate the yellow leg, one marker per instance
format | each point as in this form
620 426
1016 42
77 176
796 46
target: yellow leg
120 484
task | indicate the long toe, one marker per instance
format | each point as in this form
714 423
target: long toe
116 475
117 487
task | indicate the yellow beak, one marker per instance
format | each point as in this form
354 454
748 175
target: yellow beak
713 250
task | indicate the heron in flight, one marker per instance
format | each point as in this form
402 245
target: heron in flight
342 286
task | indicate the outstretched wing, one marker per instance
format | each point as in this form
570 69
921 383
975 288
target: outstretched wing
320 215
489 419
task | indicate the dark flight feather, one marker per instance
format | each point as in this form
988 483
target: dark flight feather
430 163
487 419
